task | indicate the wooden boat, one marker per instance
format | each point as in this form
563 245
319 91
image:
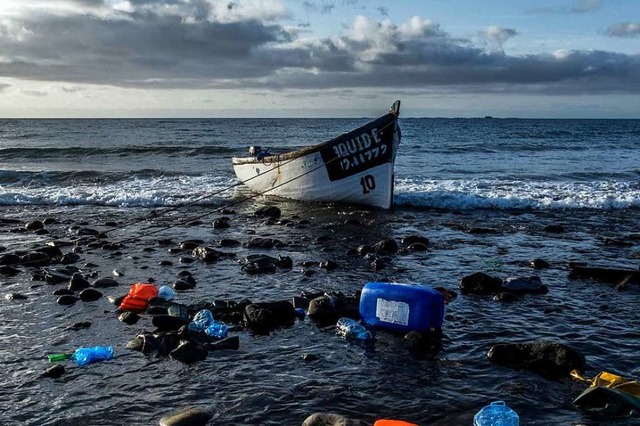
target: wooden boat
355 167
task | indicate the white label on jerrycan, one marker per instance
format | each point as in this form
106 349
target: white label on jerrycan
392 311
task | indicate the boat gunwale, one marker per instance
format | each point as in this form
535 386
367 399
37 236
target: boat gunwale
270 159
292 155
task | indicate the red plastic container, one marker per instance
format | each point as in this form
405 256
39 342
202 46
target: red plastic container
138 297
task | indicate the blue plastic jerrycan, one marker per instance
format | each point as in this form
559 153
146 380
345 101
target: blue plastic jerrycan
496 414
401 307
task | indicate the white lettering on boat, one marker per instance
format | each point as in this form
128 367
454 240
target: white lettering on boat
360 149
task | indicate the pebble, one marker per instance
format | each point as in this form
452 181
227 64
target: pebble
78 283
105 282
129 318
54 372
268 211
67 300
79 325
9 270
15 296
189 417
34 225
330 419
182 285
90 295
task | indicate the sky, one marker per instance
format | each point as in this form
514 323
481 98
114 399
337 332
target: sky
319 58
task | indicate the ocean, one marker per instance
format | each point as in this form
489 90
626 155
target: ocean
443 163
509 178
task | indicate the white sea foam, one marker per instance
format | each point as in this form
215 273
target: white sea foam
495 194
134 192
161 191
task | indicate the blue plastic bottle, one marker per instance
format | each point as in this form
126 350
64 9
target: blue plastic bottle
496 414
352 329
85 356
167 293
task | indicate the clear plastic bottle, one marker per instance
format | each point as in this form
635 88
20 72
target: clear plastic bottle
352 329
496 414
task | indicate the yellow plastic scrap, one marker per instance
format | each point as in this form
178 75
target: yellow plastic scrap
578 375
610 380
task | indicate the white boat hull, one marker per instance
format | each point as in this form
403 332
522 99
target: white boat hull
316 186
355 168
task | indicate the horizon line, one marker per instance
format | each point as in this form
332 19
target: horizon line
439 117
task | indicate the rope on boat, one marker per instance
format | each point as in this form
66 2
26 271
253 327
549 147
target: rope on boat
154 214
228 205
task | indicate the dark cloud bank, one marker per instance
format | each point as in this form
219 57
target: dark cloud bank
192 45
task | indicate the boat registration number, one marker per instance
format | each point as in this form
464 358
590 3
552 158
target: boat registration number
355 153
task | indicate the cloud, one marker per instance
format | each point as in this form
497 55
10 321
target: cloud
497 36
624 29
200 44
579 7
586 6
322 6
93 3
146 44
419 54
36 93
71 89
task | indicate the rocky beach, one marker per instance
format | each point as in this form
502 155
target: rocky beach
278 367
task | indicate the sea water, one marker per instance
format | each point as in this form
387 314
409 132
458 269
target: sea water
442 163
509 178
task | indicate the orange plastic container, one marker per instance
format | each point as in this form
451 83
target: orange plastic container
386 422
138 297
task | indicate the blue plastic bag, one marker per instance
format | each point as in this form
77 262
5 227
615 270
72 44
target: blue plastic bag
86 356
203 321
